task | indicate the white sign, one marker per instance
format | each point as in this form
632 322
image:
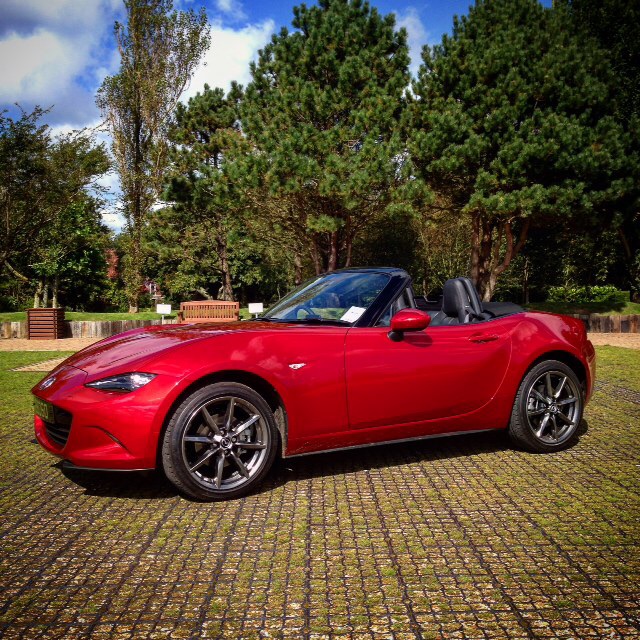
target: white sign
256 307
163 309
353 314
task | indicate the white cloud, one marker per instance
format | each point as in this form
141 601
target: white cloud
35 67
114 220
229 56
418 36
51 54
232 9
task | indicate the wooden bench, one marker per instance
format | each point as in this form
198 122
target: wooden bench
209 311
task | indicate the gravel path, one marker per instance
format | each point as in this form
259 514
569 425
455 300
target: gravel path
66 344
627 340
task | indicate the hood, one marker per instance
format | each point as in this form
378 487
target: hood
132 345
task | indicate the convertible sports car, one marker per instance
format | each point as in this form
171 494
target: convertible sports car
348 359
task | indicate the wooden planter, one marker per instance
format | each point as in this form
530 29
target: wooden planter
45 324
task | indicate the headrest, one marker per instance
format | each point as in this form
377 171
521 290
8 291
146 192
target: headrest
454 297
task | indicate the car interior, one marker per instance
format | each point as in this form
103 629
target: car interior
460 304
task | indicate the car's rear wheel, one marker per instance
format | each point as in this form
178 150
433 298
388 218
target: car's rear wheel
220 442
548 408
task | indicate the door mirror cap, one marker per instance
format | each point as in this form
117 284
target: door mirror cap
408 320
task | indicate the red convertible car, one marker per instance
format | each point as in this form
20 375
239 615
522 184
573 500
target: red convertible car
348 359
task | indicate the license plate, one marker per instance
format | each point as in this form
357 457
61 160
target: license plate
43 409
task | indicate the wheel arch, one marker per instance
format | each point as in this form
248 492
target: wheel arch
572 361
251 380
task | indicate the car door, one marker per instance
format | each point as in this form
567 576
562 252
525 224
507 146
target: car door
442 372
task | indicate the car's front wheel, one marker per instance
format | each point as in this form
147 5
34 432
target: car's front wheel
548 408
220 442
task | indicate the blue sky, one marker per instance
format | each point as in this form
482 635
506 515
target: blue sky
55 53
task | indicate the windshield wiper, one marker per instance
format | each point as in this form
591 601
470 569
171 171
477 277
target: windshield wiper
338 323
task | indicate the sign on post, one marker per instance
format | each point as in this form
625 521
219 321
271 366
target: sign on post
256 308
163 310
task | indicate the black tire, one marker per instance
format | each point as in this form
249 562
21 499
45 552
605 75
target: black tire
220 442
548 408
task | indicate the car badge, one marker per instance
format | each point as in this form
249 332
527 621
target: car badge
297 365
48 382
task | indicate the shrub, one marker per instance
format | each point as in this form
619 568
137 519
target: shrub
605 294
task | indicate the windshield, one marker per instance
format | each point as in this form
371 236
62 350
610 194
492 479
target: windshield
336 298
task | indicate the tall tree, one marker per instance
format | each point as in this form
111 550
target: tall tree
159 50
24 186
40 180
616 26
512 124
206 139
323 108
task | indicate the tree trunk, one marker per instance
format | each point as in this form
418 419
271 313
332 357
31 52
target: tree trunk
204 293
37 296
226 290
315 256
332 263
297 263
54 291
486 248
349 249
45 293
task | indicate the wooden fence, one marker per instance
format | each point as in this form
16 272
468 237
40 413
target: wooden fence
597 323
102 329
82 328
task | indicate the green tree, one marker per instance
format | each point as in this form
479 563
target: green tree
206 192
322 109
159 50
24 186
616 26
512 125
41 180
73 252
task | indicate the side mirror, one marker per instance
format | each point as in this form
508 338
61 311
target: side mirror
408 320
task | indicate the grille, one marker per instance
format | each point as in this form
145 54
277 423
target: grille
58 431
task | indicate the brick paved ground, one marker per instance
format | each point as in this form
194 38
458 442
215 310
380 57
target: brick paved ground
453 538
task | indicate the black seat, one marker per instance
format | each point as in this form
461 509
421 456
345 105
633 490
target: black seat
460 303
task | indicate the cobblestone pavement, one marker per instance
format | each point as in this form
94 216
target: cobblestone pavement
451 538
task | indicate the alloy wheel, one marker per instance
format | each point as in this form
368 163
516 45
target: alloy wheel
553 407
225 443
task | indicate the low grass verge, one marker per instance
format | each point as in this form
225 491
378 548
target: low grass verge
21 316
14 397
603 308
619 366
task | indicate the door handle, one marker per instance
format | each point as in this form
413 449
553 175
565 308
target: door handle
483 337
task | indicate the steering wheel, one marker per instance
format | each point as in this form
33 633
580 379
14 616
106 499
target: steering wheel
293 314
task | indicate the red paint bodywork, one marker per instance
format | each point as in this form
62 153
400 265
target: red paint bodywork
357 386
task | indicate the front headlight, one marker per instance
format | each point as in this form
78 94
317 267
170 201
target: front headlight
124 383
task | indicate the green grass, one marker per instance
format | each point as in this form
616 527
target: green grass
14 384
619 366
604 308
21 316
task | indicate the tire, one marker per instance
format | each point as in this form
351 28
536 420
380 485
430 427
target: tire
548 408
220 442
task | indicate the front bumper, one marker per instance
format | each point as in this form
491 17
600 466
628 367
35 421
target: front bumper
113 431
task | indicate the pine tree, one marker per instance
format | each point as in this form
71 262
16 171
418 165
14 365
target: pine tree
322 109
512 124
208 199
